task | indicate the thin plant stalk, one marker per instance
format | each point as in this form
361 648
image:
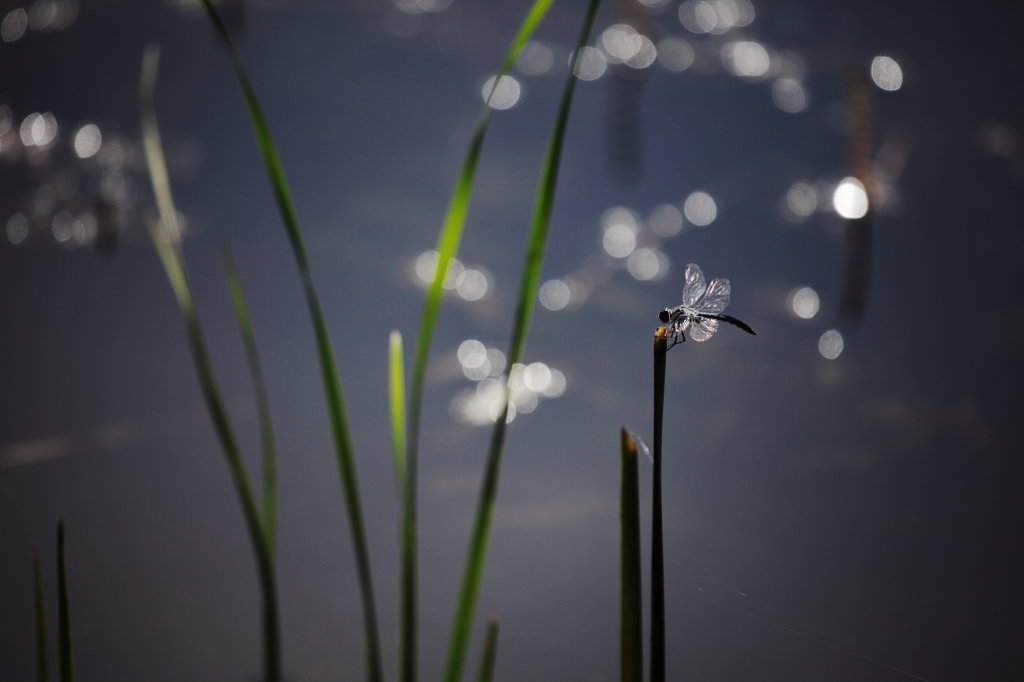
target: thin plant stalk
67 658
165 234
42 653
396 404
490 652
262 402
447 245
407 501
631 651
657 547
328 366
544 201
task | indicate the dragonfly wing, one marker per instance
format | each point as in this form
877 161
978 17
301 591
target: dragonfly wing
694 286
703 328
716 297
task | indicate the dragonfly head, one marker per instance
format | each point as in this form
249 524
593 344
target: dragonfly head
664 315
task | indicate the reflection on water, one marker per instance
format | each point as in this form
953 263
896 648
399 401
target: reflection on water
528 384
801 201
482 404
469 283
666 220
87 140
715 16
746 58
506 94
850 198
620 227
830 345
804 302
536 58
700 209
77 169
789 95
886 73
675 54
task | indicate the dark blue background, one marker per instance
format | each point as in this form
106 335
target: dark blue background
841 519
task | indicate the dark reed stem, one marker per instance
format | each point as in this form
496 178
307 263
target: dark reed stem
631 652
657 548
42 653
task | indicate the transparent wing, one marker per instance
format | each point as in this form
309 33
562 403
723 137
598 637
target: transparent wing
694 286
716 297
702 329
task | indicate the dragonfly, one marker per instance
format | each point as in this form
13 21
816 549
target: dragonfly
701 309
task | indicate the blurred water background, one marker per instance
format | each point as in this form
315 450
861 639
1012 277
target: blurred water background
842 490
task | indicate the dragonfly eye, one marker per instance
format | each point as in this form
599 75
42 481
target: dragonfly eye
663 315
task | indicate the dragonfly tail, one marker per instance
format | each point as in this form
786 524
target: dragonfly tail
731 320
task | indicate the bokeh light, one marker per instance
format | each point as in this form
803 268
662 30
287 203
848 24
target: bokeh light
87 141
506 94
591 64
554 294
620 42
700 209
38 130
14 25
620 227
801 200
850 199
789 95
666 220
746 58
422 6
647 264
535 59
675 54
425 267
474 285
804 302
527 384
17 228
715 16
830 345
886 73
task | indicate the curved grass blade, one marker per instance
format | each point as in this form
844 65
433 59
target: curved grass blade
262 402
631 643
328 366
657 548
486 672
543 203
447 246
67 657
165 235
42 654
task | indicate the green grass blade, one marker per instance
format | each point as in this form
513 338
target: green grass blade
262 402
67 657
165 238
447 245
486 672
396 403
631 642
328 366
544 200
657 548
455 220
42 654
407 498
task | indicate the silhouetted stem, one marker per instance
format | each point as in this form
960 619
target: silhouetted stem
657 549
